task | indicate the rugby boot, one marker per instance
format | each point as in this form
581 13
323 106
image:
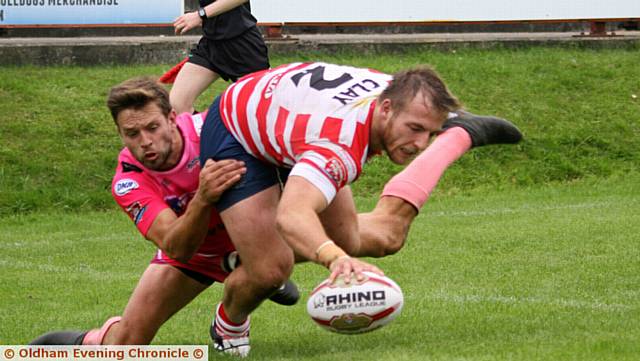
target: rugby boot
231 340
60 338
91 337
286 295
485 130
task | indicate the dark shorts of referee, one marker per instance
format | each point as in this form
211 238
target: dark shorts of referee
217 143
232 58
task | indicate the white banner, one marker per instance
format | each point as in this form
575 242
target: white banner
437 11
88 12
105 353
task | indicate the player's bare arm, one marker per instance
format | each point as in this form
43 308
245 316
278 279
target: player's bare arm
191 20
300 226
180 237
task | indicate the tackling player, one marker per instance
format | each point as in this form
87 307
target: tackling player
314 125
160 185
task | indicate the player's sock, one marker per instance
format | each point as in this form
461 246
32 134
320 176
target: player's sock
228 336
484 130
416 182
60 338
96 336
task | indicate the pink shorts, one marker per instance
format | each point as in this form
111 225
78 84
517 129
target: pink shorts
203 268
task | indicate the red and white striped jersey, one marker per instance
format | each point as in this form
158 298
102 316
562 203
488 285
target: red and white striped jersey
312 117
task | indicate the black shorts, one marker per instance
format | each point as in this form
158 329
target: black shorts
232 58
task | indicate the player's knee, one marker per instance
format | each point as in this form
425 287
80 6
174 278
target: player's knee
274 278
393 244
389 242
273 274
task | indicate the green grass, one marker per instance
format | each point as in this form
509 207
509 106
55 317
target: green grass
525 252
550 273
574 105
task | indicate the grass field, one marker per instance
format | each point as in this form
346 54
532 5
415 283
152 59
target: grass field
546 274
575 106
525 252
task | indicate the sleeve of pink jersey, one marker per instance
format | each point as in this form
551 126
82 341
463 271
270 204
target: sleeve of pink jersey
329 168
139 198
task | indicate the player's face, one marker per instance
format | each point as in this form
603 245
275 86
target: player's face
150 136
408 131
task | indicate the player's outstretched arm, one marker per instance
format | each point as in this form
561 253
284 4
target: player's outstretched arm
180 237
300 226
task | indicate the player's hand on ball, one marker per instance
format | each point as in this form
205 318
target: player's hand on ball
344 266
217 177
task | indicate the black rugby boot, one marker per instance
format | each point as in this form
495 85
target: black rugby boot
485 130
60 338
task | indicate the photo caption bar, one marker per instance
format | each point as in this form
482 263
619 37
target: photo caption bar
105 353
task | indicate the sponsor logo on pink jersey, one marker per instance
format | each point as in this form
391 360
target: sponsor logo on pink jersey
125 186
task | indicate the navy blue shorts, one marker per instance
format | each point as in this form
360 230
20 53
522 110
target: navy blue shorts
217 143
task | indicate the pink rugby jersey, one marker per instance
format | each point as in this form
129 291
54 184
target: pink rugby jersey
312 117
143 193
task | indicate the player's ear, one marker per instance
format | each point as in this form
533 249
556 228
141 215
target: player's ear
386 108
172 117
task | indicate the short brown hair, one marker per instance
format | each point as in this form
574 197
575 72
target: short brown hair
136 93
407 84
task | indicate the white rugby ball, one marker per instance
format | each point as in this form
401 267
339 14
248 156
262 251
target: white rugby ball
355 307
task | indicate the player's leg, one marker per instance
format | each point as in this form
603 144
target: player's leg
267 260
248 210
228 59
384 230
287 295
191 81
161 292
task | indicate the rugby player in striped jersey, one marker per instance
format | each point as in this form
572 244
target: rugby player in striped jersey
313 126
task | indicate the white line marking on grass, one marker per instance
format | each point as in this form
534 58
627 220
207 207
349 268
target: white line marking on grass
513 300
83 269
523 209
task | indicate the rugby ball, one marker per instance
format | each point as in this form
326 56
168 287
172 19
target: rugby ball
357 307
